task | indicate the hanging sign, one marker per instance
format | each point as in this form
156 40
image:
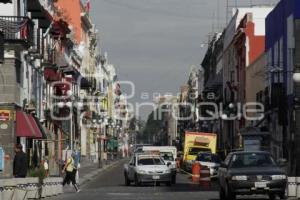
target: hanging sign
4 115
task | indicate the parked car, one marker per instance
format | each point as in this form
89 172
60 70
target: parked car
147 168
247 173
212 161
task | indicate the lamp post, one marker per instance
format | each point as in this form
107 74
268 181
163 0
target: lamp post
71 104
100 122
296 136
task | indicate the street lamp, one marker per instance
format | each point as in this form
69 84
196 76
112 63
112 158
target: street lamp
71 104
296 78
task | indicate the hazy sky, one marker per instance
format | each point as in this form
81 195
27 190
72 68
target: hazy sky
153 43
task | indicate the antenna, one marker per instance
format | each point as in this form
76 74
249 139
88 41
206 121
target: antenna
213 24
227 7
218 15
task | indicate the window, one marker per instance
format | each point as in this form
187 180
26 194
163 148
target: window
196 150
167 156
150 161
209 158
252 160
227 160
18 72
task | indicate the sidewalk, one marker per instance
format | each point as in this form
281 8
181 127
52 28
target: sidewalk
89 171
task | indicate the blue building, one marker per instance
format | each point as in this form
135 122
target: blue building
282 32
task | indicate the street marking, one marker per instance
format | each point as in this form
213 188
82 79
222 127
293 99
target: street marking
120 194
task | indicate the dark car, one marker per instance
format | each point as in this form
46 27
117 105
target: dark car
247 173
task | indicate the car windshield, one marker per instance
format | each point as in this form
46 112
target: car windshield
196 150
208 158
252 160
168 156
150 161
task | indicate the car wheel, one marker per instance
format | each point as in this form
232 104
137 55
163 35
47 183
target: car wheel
222 194
174 179
272 196
127 181
282 195
229 195
136 181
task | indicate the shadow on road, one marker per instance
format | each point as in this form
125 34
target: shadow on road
179 187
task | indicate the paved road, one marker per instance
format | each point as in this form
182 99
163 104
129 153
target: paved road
109 185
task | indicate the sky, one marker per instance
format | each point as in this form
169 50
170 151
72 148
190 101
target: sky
154 43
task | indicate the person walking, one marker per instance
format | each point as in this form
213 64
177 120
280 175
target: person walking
45 165
76 156
20 162
70 171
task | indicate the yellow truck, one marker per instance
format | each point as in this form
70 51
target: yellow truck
195 143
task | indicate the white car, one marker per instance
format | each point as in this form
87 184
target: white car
168 154
147 168
212 161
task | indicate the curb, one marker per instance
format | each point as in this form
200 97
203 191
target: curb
89 177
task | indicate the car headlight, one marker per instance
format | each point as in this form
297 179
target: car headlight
139 171
239 178
278 177
172 166
167 171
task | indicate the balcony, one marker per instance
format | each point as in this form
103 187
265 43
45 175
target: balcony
17 29
5 1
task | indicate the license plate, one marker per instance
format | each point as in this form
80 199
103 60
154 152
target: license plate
260 184
155 177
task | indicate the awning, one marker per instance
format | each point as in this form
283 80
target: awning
51 74
41 128
26 126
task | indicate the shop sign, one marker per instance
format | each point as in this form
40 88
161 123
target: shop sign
4 115
3 126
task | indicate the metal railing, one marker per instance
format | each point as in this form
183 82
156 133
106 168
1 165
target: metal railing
17 28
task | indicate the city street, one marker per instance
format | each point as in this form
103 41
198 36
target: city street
211 87
110 185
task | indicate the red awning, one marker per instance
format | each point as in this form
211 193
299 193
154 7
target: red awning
26 126
51 74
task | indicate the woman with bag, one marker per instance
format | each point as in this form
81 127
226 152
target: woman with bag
70 175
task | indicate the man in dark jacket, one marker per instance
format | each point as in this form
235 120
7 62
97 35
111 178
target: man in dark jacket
20 162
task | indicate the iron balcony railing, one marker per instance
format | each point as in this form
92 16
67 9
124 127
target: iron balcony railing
17 28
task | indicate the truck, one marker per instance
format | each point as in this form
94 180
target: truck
195 143
168 154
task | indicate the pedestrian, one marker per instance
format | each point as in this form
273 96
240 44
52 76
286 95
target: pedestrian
20 162
70 171
46 167
76 157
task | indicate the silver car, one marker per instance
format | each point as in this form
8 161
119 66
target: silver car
147 168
